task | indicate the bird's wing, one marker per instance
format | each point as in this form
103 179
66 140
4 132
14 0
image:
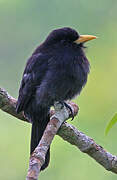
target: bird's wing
34 72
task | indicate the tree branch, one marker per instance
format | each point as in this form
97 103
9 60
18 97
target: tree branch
68 133
37 158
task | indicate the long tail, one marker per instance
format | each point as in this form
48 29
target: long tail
38 128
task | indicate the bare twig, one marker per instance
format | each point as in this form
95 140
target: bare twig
70 134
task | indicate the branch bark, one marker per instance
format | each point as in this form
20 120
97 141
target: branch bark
38 156
69 133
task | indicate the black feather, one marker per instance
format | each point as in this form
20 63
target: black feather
56 71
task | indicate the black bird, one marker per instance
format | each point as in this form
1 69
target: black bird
56 71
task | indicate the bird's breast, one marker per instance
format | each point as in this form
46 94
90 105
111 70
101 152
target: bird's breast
77 77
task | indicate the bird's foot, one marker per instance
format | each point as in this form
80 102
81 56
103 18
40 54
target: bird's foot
69 108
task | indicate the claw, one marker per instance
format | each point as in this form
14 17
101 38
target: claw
71 111
68 107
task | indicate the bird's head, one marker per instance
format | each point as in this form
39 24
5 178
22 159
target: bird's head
69 35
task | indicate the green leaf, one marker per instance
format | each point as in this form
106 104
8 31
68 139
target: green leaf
111 123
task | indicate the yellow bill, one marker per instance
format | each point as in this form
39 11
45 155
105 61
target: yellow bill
85 38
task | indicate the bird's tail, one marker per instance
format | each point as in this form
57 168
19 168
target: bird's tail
38 128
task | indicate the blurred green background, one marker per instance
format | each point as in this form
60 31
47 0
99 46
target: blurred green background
23 26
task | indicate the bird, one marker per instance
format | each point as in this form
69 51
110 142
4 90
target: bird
57 71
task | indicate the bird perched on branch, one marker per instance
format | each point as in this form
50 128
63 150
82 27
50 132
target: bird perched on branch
56 71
